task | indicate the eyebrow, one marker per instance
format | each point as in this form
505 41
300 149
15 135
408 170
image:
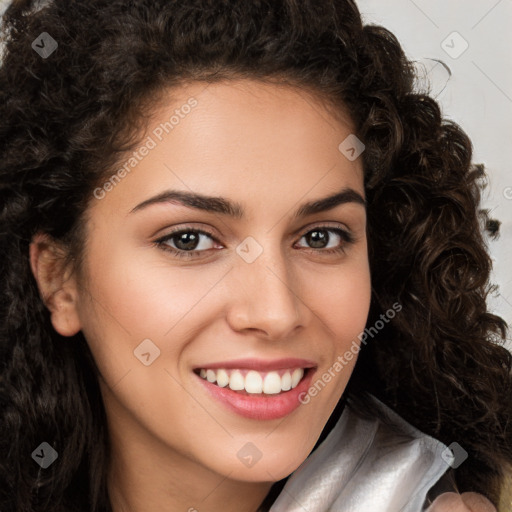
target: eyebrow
233 209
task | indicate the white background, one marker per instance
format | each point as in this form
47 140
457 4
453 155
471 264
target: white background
478 95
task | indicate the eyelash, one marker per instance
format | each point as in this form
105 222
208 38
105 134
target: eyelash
346 236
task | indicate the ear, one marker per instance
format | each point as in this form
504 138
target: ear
56 283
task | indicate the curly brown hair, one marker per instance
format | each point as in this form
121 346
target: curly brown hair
65 120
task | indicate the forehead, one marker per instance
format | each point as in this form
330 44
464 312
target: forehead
238 139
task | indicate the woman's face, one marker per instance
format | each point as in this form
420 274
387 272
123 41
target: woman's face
271 283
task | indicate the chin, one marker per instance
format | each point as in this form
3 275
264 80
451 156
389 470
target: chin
267 469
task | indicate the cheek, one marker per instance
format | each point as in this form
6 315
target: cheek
343 308
132 295
349 307
345 301
143 295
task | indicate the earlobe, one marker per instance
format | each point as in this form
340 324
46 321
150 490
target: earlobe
64 314
57 286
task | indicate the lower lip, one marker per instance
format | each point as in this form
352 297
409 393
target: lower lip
257 407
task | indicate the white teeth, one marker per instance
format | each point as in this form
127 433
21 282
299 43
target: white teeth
296 376
253 382
222 378
270 383
236 381
286 381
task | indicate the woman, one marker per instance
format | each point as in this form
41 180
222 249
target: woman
211 211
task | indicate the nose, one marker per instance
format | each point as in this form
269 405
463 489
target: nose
265 296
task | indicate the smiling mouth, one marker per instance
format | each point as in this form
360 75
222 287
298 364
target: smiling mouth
252 382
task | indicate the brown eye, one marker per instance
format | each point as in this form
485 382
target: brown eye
186 242
319 238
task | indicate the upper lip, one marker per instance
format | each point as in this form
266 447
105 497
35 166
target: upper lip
261 364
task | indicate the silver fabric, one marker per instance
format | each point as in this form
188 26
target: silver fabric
382 464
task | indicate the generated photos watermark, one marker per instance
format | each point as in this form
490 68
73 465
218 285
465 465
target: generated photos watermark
343 360
151 142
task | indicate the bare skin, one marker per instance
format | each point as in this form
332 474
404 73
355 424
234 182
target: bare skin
271 149
465 502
